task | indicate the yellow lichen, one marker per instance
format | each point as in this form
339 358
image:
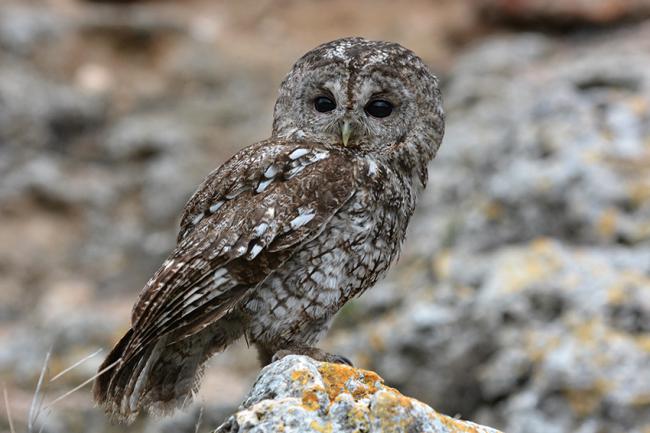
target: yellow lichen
321 428
585 401
522 270
493 210
390 411
606 224
442 264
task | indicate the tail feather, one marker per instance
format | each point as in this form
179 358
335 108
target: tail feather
159 378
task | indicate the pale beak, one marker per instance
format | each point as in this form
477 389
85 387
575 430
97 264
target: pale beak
346 131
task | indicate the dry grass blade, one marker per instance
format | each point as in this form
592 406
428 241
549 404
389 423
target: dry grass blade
35 407
8 409
78 387
40 430
76 364
198 421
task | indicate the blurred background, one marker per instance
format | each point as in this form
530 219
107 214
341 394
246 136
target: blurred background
522 299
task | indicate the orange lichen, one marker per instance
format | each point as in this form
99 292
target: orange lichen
301 376
310 398
337 379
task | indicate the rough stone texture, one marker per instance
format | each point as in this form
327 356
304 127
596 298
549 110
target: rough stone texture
297 394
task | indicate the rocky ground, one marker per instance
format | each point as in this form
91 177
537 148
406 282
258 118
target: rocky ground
522 300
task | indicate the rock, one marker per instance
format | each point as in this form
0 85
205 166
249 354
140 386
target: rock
551 338
298 394
23 29
543 139
566 13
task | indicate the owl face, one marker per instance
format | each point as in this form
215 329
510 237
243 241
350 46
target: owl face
363 95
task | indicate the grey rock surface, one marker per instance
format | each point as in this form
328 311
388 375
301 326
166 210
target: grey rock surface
297 394
544 139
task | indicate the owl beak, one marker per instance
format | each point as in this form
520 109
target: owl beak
346 131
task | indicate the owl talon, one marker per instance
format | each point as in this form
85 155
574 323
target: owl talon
339 359
314 353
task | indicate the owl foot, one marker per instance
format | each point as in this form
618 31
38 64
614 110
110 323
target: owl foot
312 352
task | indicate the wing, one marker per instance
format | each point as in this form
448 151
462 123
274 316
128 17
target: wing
244 221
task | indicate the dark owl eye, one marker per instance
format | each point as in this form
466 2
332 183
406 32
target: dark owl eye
323 104
379 108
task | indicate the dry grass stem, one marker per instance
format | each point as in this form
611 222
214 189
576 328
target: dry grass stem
76 364
78 387
37 400
8 409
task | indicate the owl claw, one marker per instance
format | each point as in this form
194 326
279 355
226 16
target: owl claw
314 353
340 359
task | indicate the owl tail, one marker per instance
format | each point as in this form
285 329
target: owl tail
159 378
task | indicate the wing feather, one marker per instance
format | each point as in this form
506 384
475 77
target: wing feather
244 221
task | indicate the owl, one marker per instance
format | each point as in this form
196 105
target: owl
276 240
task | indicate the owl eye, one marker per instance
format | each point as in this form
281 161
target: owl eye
379 108
323 104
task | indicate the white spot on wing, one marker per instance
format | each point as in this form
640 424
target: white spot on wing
194 297
318 156
260 229
271 171
218 276
254 251
263 184
302 219
215 207
298 153
197 219
372 167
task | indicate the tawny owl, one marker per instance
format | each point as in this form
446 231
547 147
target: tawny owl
276 240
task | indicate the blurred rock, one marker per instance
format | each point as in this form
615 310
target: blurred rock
543 139
298 394
553 338
23 29
566 13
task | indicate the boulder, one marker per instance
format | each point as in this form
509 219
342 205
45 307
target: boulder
297 394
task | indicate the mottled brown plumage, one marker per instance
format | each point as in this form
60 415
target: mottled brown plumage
277 239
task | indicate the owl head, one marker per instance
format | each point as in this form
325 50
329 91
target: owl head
368 96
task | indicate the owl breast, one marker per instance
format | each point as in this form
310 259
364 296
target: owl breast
297 302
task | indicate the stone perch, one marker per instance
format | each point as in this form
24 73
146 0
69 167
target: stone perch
297 395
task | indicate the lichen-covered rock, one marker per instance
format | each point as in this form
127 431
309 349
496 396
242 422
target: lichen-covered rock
542 337
297 394
543 138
